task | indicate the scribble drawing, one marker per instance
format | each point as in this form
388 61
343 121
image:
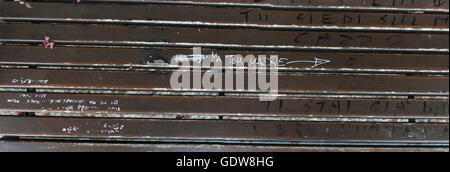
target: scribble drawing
317 62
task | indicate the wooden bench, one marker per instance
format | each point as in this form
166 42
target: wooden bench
105 86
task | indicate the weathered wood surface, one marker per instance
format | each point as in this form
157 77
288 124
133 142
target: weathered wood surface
77 146
227 37
380 5
137 13
385 87
160 81
238 132
230 106
160 58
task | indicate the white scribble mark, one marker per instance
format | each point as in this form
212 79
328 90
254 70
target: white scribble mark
24 81
198 58
186 58
70 130
317 62
13 101
22 2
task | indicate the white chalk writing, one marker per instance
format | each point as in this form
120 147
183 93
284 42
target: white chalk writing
28 81
70 130
65 104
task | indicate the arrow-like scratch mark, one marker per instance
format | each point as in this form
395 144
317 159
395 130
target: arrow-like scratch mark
317 62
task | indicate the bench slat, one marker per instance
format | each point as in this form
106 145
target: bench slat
148 58
74 146
160 81
289 4
222 15
238 107
240 132
228 37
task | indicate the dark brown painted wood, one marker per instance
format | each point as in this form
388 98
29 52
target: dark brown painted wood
317 108
223 36
243 132
381 4
118 57
221 15
75 79
77 146
376 36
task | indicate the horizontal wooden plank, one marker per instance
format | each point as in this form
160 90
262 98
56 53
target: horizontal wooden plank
239 132
160 81
61 146
224 25
134 44
235 37
224 106
160 58
222 15
378 5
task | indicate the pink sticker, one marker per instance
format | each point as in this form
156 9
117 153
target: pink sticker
47 42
